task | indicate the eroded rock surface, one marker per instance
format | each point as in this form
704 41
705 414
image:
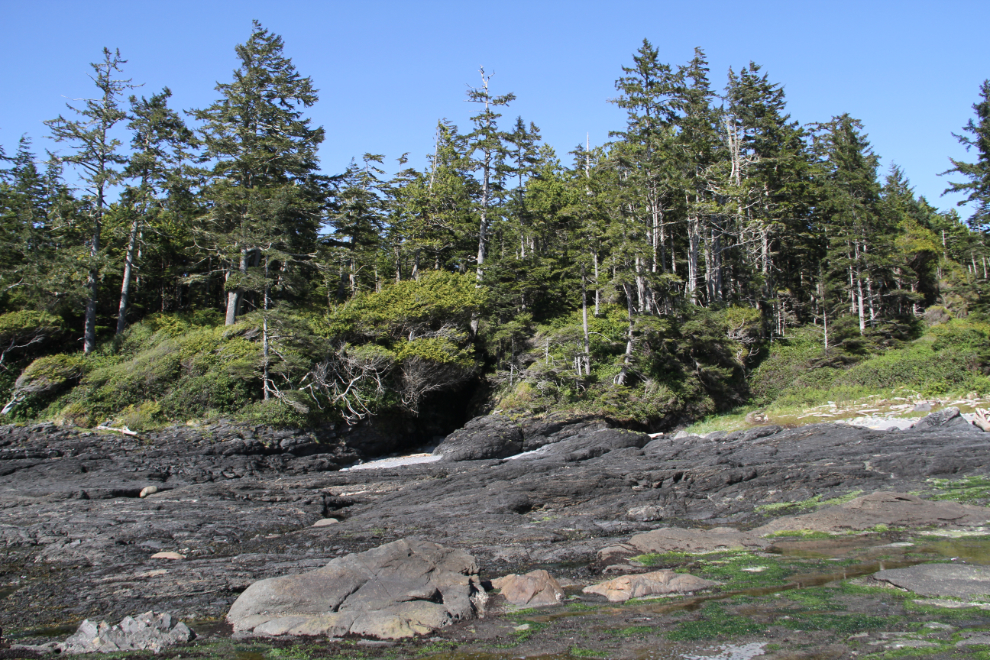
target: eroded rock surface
883 508
673 539
241 507
401 589
663 582
952 580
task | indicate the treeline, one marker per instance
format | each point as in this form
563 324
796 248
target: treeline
710 224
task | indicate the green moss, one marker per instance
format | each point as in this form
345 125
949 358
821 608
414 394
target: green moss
967 489
715 622
840 623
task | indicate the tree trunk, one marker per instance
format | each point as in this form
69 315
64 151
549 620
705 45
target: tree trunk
584 320
234 297
125 287
620 379
93 279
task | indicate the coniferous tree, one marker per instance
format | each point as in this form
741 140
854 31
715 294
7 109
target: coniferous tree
265 201
486 141
977 188
160 143
99 164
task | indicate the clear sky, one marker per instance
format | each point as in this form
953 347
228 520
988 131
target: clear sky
387 70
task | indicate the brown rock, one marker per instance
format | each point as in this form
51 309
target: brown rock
881 508
614 553
623 588
534 589
674 539
168 555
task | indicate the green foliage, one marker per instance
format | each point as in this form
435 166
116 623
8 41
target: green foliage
410 307
953 357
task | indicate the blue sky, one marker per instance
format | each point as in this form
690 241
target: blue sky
387 70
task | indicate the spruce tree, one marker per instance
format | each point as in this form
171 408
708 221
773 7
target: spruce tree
977 188
263 190
160 142
486 141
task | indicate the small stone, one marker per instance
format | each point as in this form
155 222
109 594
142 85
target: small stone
148 490
168 555
323 522
521 628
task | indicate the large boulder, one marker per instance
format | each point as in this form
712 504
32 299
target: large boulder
151 631
492 436
662 582
401 589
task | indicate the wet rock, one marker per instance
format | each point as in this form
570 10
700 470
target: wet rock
662 582
492 436
953 580
881 508
534 589
404 588
151 631
673 539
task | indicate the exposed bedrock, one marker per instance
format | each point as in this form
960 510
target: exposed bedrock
238 505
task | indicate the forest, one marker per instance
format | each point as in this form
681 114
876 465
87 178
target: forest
715 253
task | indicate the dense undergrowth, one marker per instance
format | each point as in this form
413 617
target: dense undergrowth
381 354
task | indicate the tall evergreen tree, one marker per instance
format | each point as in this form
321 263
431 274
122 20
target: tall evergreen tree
977 188
486 141
160 143
97 158
265 201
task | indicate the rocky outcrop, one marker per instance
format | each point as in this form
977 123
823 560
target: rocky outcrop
663 582
401 589
151 631
534 589
673 539
240 508
882 508
946 418
492 436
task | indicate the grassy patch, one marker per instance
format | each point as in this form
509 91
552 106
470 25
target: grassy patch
840 623
585 653
636 631
815 598
802 534
809 504
715 622
967 489
661 559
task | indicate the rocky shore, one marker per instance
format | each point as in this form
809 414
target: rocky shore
103 525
